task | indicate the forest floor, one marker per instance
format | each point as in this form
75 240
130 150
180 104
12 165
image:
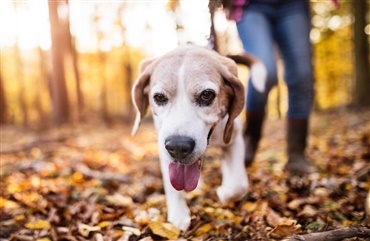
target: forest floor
98 183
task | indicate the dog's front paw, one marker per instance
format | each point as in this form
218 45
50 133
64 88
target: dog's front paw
180 217
228 194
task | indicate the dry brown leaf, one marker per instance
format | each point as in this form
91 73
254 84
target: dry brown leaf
308 211
273 218
285 229
294 204
85 229
132 230
166 230
119 200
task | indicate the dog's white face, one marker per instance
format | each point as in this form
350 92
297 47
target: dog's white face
189 91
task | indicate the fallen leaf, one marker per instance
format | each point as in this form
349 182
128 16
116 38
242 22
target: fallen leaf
205 228
38 224
273 218
295 204
43 239
308 211
166 230
104 224
7 204
132 230
250 206
119 200
285 229
85 229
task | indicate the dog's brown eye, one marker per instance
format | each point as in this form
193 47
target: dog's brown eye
206 98
160 99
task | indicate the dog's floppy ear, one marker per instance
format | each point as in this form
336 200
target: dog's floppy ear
229 71
139 92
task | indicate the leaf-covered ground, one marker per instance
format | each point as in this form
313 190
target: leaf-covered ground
99 183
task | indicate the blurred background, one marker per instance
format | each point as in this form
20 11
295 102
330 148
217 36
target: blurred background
73 61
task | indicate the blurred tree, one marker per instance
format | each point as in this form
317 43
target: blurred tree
3 103
71 48
58 86
43 81
102 58
361 45
127 67
20 77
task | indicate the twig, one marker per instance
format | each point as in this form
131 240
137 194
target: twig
107 176
333 235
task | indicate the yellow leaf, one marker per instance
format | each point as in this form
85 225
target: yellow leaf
14 188
104 224
43 239
250 206
166 230
38 224
77 177
284 229
7 204
205 228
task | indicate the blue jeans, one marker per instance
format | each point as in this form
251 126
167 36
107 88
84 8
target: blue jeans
285 24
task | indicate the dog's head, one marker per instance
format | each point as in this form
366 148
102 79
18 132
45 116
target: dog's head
189 90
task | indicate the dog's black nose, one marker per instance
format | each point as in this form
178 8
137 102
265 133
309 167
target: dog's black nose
179 147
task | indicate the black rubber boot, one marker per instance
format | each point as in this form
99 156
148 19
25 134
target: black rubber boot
297 140
253 131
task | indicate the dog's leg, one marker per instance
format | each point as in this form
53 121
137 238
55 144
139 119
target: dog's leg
234 176
178 212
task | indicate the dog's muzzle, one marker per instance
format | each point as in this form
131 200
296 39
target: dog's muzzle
184 172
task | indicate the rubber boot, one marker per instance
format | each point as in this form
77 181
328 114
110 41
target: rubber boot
252 135
297 140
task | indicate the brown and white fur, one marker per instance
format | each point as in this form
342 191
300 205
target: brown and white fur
195 97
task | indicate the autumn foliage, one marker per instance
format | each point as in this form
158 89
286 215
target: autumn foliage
99 183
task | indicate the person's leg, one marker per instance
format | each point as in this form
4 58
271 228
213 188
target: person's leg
255 32
292 34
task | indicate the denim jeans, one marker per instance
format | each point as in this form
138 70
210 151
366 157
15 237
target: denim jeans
285 24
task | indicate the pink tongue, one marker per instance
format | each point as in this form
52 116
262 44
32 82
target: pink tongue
184 176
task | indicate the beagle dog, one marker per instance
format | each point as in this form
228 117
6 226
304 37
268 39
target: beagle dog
195 98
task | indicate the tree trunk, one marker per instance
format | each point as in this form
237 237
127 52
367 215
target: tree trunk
361 45
74 55
58 84
3 103
44 82
103 93
21 81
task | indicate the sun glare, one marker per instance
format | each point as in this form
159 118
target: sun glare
25 24
144 24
